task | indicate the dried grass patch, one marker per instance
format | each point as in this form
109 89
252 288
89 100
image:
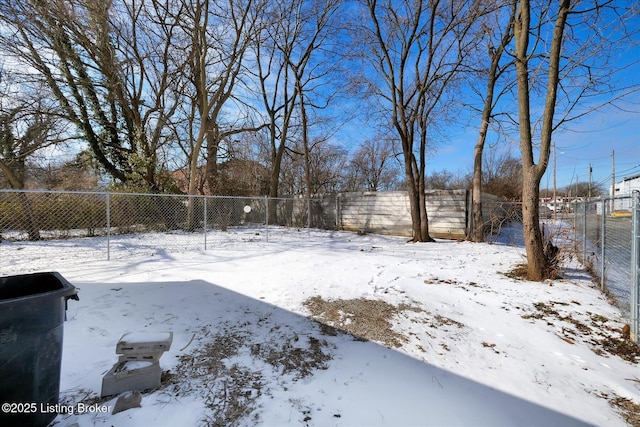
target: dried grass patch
365 319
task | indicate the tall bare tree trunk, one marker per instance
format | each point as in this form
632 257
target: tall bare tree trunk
417 201
537 262
534 245
211 169
477 228
277 153
414 206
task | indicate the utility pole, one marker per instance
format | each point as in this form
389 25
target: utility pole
613 180
555 208
589 192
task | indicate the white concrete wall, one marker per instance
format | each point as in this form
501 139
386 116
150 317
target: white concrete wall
389 213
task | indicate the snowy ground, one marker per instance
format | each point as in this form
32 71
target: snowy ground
337 329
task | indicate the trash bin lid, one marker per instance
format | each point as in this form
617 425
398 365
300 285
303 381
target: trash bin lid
25 286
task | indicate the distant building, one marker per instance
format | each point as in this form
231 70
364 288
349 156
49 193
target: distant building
622 192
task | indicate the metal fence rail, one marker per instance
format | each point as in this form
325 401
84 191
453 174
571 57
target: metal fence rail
187 221
607 241
635 268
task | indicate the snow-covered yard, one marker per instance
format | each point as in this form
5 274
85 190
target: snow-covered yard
316 328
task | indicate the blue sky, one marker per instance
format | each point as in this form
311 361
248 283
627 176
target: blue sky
590 141
593 143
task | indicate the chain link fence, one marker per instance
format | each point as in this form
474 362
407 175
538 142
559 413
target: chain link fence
607 243
173 220
604 233
502 221
603 243
34 215
607 231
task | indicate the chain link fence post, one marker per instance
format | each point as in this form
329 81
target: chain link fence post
308 217
206 217
635 267
108 214
576 207
584 233
266 217
603 237
339 209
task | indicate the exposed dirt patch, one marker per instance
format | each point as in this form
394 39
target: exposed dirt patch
231 369
519 272
372 320
300 361
365 319
465 286
623 348
491 346
629 410
229 380
229 389
604 336
438 321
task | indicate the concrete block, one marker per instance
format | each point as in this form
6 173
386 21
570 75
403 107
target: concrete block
127 400
130 376
149 357
144 342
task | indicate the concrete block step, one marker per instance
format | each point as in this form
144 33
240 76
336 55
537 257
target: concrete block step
149 357
135 375
144 342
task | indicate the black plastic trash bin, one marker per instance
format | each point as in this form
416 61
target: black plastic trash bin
32 312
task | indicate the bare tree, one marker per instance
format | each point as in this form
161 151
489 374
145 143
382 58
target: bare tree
563 53
277 92
26 127
502 176
107 68
76 174
218 35
532 172
492 26
22 133
313 23
582 189
373 166
295 60
325 164
445 180
416 49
